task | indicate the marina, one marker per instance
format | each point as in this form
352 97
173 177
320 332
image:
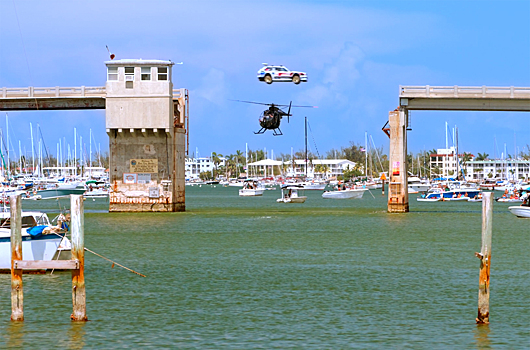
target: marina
155 193
244 272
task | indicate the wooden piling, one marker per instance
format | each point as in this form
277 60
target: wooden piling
17 295
78 253
485 259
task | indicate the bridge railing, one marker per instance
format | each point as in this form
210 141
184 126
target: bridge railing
464 91
57 91
60 91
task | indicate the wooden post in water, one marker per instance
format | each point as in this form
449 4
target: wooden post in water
78 253
485 260
17 295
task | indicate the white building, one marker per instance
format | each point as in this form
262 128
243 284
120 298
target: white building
509 169
319 168
195 166
445 161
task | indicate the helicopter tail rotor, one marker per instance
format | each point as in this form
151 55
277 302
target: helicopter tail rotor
289 111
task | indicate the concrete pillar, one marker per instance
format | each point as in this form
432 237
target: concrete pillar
398 194
147 138
179 171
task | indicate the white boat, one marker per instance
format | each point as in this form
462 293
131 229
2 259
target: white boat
96 193
292 194
509 200
431 199
520 211
353 193
415 185
308 185
313 185
40 240
251 188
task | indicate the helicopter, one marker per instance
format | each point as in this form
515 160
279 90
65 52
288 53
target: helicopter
270 118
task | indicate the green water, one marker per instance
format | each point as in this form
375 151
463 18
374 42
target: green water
245 273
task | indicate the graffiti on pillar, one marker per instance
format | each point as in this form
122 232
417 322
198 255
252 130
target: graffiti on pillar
395 168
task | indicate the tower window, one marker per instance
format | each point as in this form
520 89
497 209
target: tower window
162 73
146 73
112 73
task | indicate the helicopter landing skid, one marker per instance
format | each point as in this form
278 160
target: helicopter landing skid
275 132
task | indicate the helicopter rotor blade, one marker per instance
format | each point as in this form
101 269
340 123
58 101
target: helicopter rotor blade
305 106
289 111
256 103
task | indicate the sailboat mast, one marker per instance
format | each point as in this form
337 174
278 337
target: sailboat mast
366 155
32 148
90 158
7 141
306 147
19 157
75 152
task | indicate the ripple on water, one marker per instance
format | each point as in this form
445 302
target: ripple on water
243 273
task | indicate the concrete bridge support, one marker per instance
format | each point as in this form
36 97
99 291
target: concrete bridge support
146 128
398 195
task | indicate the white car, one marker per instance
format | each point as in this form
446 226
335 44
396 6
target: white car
269 74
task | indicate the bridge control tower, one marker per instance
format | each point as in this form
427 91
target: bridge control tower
147 138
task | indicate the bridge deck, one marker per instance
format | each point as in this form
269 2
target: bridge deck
470 98
57 98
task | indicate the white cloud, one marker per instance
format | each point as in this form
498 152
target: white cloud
213 87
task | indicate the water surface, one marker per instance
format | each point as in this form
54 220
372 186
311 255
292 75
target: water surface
245 273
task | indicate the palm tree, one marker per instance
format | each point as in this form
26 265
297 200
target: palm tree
240 159
216 159
482 156
466 158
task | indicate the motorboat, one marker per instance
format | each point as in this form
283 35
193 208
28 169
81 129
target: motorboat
96 193
352 193
456 194
40 240
509 200
311 185
292 194
251 188
520 211
416 185
56 190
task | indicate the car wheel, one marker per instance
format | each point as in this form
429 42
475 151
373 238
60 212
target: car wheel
296 79
268 79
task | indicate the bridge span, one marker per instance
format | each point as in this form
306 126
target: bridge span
448 98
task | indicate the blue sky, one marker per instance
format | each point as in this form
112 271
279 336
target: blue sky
356 54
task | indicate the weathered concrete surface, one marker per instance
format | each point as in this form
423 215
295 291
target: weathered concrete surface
398 195
179 171
125 147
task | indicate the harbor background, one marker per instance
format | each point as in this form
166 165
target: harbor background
242 273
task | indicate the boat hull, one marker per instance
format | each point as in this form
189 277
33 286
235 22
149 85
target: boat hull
60 192
251 193
520 211
41 248
346 194
292 200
